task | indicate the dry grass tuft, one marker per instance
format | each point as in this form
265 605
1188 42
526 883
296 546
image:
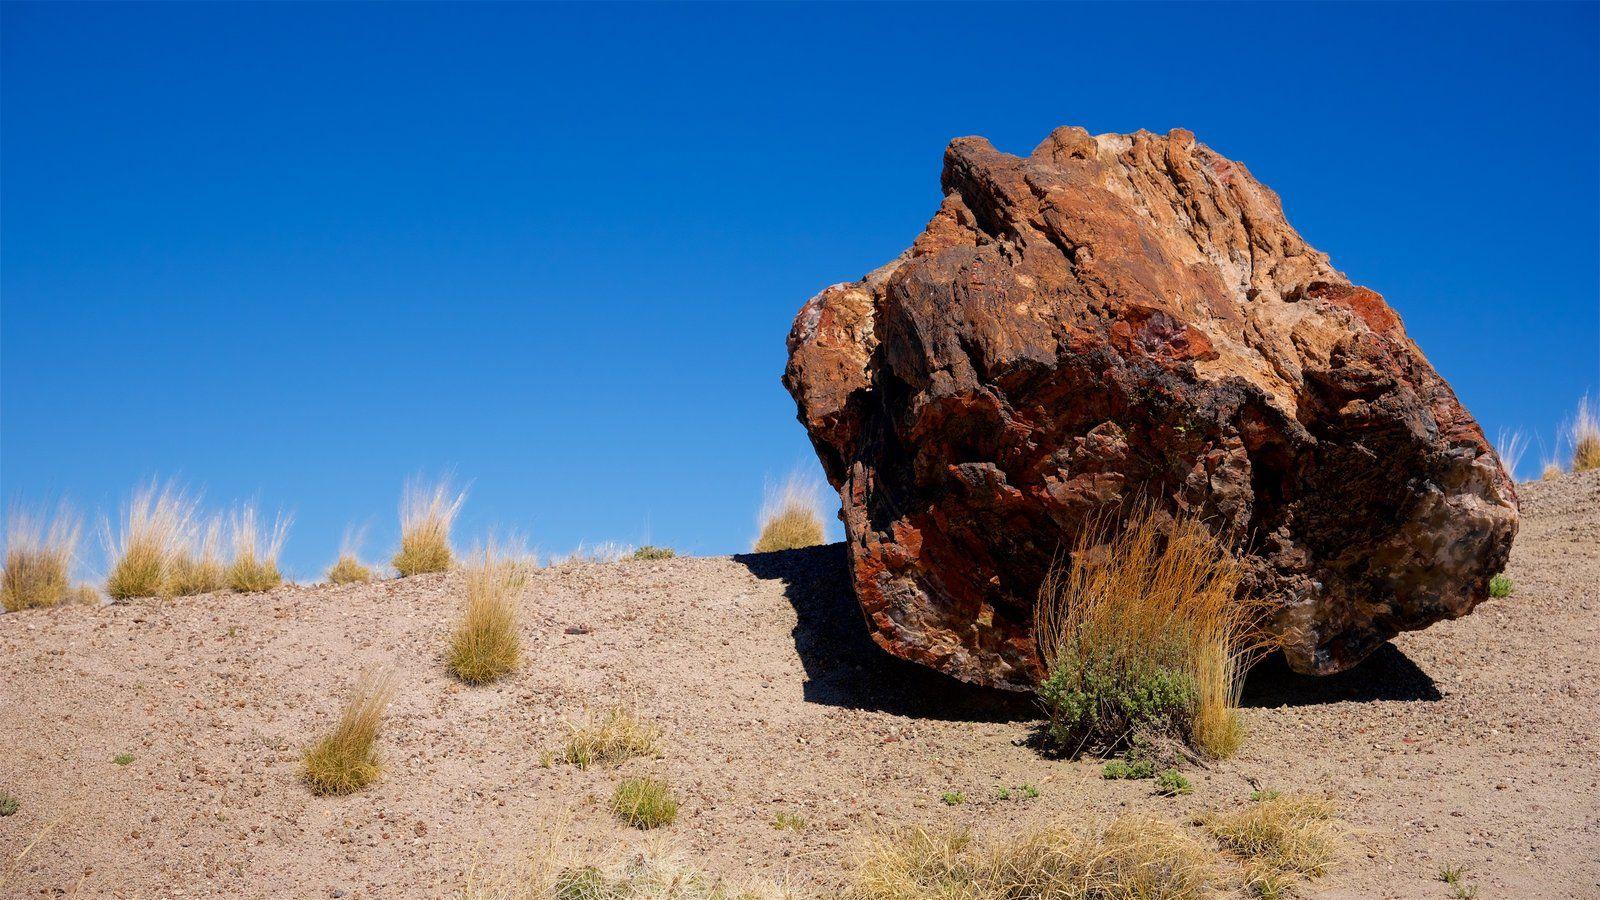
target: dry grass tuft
603 553
426 514
1583 433
1281 840
39 558
1134 859
199 568
1551 470
610 737
152 537
346 759
349 568
1143 634
1510 446
791 517
254 567
485 645
645 803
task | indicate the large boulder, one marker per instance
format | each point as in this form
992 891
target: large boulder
1131 315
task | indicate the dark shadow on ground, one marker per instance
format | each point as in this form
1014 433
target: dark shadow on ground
845 668
1388 674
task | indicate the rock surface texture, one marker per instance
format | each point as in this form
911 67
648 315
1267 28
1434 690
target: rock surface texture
1125 315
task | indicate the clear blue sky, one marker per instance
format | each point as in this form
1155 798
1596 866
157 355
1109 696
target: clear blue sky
295 252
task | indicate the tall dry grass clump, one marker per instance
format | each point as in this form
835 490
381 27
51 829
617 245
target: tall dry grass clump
346 759
1142 634
485 645
1583 433
199 568
148 542
40 553
791 517
349 569
426 514
1133 858
254 566
1510 446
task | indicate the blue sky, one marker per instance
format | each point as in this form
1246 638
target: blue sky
296 252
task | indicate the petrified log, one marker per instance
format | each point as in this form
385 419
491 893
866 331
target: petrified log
1122 315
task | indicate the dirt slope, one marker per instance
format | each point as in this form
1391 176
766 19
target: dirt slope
1474 741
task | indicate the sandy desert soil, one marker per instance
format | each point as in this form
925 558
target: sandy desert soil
1476 741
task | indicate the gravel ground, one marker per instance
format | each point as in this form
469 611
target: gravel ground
1475 741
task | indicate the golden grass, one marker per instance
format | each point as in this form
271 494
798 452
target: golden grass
254 566
349 569
610 737
791 517
1583 433
426 514
484 645
39 556
1281 841
644 803
1133 859
199 568
1551 470
1142 633
151 537
346 759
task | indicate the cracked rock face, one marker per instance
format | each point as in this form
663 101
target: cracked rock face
1118 315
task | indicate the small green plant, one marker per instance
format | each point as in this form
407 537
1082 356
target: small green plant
8 804
1130 769
1499 586
645 803
953 798
651 552
122 759
1021 792
1464 892
1171 783
1259 796
1452 873
786 821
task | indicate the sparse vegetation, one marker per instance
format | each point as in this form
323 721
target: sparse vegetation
150 538
595 554
952 798
1281 841
649 551
254 567
346 758
786 821
791 517
1022 792
1142 635
645 802
199 568
649 875
1583 434
39 558
610 737
1171 783
1551 470
1510 447
9 804
1452 873
426 515
122 759
1130 769
485 645
1258 796
1500 586
1133 858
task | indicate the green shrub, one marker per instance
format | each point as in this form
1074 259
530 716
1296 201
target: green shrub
8 804
645 803
1171 783
652 552
1499 587
1128 769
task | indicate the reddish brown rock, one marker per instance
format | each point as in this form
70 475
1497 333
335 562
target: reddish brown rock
1122 314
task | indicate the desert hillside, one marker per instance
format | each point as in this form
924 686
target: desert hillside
155 749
